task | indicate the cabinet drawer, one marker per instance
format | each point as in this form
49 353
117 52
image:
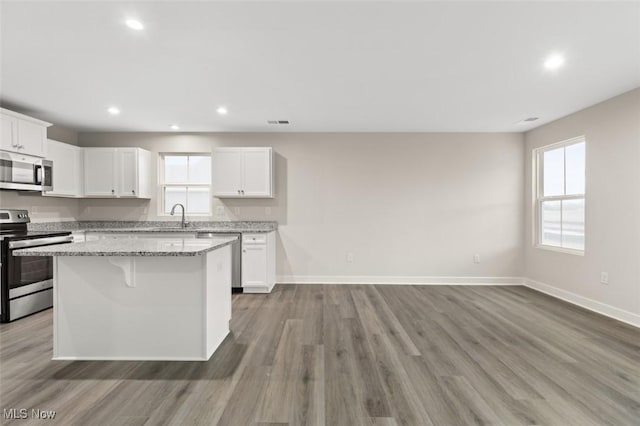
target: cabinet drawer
254 239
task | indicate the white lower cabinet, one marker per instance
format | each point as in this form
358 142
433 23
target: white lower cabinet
258 262
258 254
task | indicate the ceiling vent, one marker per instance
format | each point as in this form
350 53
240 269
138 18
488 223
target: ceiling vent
278 121
528 120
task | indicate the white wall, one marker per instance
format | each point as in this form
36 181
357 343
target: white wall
612 130
45 209
417 205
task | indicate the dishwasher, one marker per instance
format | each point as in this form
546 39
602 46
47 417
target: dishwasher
236 256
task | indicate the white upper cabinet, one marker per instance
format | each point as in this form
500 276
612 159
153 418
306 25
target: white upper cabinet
243 172
67 169
117 172
100 172
8 133
227 175
128 172
257 172
22 134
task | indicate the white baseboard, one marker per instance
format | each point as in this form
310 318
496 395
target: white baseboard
584 302
399 280
257 289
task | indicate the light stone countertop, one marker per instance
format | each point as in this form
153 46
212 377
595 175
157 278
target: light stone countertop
131 247
157 226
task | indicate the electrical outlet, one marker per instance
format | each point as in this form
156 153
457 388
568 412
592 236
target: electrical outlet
349 257
604 277
476 258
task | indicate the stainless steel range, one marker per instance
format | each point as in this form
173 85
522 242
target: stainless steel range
26 283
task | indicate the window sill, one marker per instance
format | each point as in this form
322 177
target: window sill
561 250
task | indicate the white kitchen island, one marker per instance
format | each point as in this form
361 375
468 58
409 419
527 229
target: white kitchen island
140 299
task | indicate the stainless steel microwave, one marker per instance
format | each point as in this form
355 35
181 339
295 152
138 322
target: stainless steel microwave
25 173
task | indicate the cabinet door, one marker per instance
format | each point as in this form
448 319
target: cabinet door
64 159
99 172
31 138
227 172
254 265
256 172
128 172
8 133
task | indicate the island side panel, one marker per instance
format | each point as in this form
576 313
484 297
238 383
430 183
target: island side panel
158 315
217 297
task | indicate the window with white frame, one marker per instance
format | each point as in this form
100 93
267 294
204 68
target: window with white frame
560 203
186 179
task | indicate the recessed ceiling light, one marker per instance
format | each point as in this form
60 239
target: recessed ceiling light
134 24
175 127
222 110
113 110
554 62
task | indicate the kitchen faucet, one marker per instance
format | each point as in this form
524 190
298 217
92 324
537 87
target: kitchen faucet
173 210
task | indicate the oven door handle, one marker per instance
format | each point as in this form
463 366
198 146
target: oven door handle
40 242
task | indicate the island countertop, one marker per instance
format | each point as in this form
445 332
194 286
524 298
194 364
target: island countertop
131 247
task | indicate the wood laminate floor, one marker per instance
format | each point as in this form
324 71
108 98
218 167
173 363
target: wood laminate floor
354 355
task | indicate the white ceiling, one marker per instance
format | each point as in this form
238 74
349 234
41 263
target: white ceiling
326 66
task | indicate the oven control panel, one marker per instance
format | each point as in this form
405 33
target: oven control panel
14 216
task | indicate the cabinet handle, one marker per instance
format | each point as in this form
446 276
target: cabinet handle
242 192
113 191
244 251
238 191
133 191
